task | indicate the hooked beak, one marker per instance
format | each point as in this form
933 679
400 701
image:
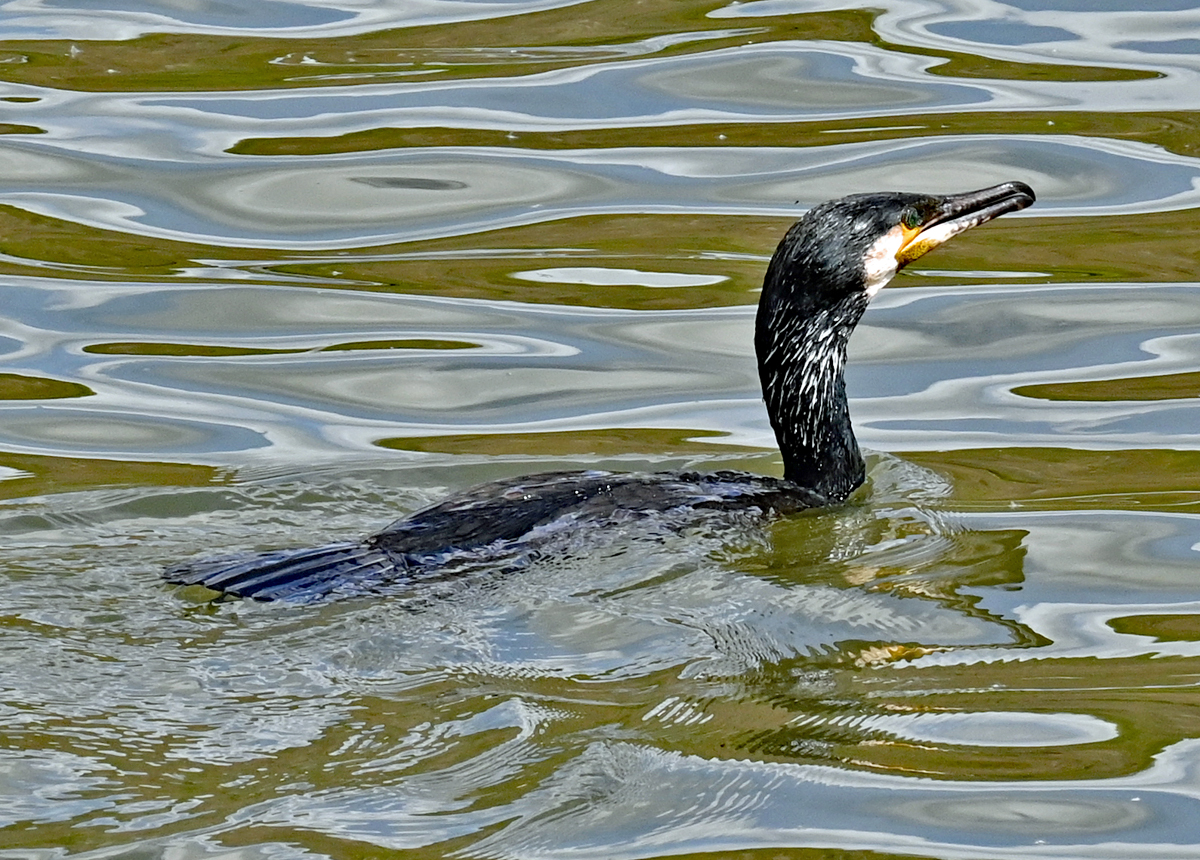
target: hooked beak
950 215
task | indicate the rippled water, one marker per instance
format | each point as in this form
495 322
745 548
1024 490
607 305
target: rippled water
281 270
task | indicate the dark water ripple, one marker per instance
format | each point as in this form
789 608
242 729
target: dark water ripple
474 190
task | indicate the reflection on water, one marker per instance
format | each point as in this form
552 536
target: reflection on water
293 269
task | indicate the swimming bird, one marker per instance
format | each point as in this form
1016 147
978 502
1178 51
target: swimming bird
826 270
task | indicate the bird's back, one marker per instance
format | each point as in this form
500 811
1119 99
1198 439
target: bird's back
499 520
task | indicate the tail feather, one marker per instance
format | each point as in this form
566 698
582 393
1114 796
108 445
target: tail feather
304 573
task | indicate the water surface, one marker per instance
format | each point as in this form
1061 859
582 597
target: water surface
292 270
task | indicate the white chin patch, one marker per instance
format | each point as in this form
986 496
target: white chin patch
880 264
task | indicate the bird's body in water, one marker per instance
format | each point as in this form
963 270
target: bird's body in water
818 284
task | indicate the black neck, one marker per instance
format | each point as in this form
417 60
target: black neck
801 360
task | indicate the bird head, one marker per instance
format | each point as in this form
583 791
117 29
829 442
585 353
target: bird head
853 246
824 273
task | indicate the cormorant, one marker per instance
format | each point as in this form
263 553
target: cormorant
818 284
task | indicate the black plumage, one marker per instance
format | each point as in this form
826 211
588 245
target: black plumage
816 289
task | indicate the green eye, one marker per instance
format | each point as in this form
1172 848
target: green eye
911 219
